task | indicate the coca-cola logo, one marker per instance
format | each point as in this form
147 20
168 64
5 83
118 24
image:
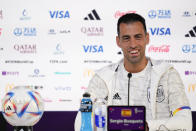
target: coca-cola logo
162 48
83 87
118 14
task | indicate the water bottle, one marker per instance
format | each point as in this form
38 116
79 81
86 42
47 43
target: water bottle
100 115
86 112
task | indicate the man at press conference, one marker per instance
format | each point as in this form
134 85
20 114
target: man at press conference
140 80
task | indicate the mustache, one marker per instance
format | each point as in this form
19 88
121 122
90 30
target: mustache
133 48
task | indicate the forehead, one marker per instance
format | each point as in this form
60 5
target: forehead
131 28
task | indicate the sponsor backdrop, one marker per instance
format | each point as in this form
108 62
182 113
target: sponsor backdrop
54 46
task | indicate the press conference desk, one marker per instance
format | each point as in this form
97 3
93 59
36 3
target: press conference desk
50 121
58 121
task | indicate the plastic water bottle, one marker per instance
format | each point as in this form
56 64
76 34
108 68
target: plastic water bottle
86 112
100 115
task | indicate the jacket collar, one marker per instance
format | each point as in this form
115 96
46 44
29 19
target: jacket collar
155 64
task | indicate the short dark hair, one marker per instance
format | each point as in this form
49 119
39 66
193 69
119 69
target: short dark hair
130 18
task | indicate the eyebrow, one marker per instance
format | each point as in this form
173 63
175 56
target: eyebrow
138 35
128 36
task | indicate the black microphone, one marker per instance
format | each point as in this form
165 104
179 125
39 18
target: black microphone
129 75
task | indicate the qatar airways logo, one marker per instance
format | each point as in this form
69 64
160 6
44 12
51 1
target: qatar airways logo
25 49
161 49
92 31
118 14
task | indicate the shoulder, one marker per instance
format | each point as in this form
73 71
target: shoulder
159 63
161 67
165 70
109 69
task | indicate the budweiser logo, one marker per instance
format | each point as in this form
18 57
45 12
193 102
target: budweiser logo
162 48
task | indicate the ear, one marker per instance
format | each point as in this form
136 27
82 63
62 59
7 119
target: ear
118 41
147 38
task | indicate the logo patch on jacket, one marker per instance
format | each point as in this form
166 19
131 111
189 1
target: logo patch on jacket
160 94
116 96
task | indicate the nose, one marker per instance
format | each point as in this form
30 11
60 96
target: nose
132 43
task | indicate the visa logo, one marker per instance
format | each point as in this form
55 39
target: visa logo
160 31
59 14
93 48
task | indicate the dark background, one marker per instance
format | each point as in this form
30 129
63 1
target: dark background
58 121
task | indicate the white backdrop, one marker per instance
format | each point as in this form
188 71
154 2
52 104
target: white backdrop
47 44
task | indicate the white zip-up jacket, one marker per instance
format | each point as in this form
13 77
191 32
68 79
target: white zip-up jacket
172 113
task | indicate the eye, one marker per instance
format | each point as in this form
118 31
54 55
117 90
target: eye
138 37
125 38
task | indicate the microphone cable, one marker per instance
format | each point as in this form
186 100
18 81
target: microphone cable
129 75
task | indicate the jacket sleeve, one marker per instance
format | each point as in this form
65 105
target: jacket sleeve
181 118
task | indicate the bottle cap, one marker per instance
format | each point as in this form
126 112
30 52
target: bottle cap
86 94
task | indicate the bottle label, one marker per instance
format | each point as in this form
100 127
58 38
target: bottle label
86 105
99 121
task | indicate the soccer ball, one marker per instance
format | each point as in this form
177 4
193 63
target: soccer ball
22 106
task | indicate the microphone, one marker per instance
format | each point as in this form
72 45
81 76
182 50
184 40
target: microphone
129 75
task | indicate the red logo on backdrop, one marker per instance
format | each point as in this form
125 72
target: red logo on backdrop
162 48
0 31
83 87
119 14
